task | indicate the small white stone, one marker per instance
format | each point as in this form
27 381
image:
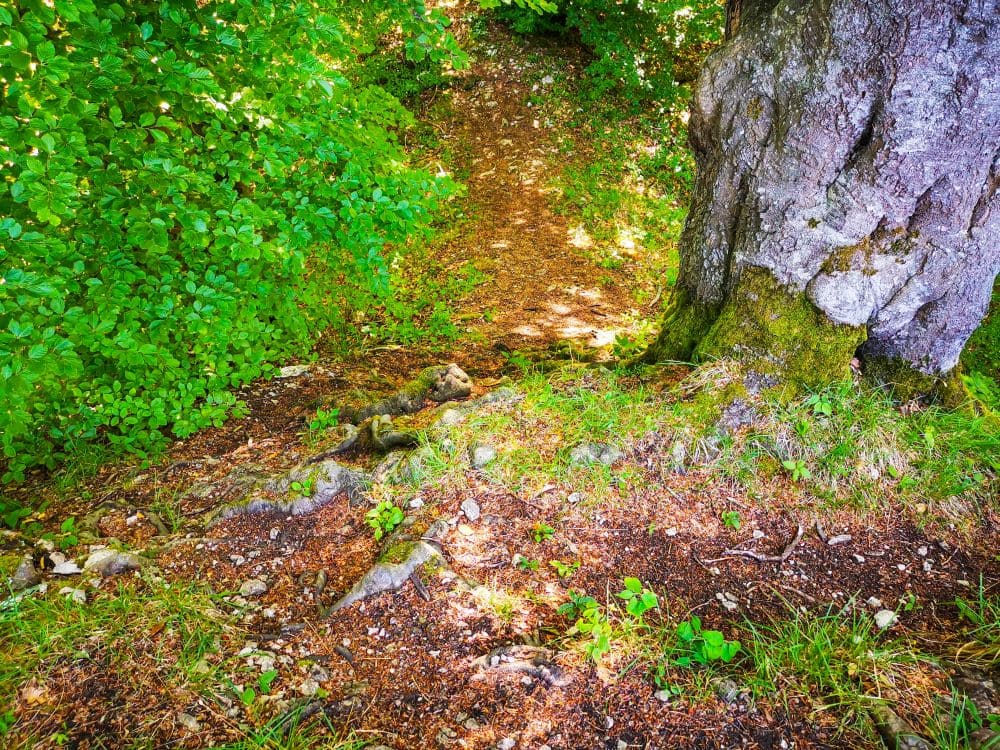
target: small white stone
309 687
253 587
416 503
293 371
471 509
77 595
574 497
507 743
727 600
885 618
758 534
672 531
859 558
874 602
68 568
922 551
189 722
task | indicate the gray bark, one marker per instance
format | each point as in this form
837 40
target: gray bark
852 148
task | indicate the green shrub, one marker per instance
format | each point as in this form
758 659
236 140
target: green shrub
635 43
189 191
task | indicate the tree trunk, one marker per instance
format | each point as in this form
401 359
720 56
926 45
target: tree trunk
846 201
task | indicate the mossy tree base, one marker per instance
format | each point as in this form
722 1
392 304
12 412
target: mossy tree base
907 383
768 327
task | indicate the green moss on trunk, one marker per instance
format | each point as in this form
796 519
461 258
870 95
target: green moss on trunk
908 383
763 324
776 330
685 323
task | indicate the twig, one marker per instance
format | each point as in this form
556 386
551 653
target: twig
803 594
656 299
706 563
769 558
822 534
419 586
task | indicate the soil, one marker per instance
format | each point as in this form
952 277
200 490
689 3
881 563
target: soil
400 669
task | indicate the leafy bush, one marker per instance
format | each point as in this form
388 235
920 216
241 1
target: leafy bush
189 192
635 43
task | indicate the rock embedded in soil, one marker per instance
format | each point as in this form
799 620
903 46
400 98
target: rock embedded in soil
482 455
293 371
77 595
471 509
109 562
727 689
894 731
253 587
189 722
586 454
26 575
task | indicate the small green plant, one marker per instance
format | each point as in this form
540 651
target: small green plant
247 695
639 599
731 520
306 487
525 563
578 603
266 679
797 468
383 518
542 532
821 404
565 570
698 646
322 421
660 672
12 512
68 538
590 620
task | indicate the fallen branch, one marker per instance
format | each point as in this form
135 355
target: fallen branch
786 553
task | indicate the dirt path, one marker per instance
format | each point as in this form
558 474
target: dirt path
542 286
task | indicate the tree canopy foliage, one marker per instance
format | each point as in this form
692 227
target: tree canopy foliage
186 186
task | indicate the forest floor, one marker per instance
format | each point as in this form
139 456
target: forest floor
833 544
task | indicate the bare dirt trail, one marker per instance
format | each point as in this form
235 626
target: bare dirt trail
542 285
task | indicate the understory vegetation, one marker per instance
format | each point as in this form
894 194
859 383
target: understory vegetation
192 193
